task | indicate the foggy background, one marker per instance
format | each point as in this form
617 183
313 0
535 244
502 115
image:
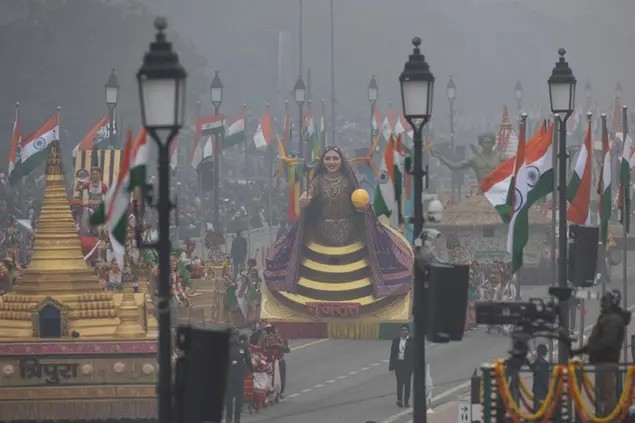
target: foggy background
59 52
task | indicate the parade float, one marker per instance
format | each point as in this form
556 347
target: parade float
70 350
339 272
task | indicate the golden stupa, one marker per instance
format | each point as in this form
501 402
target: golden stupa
59 286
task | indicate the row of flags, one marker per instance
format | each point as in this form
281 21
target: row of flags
524 179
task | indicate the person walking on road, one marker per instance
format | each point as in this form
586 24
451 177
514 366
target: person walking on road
402 363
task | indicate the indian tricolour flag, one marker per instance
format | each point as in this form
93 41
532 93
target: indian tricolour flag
264 133
140 152
518 234
114 210
497 186
33 149
207 127
385 194
98 133
235 133
604 188
625 183
579 188
14 151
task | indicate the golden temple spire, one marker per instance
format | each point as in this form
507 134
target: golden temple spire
57 265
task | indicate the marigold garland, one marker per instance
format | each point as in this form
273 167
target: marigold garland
547 407
618 413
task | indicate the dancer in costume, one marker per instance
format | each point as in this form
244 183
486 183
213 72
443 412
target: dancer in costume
338 251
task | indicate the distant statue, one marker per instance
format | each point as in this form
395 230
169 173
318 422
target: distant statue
483 162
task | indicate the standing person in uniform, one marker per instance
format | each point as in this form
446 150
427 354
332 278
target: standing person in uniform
239 366
402 363
604 348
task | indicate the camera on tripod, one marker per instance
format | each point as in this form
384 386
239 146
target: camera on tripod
530 319
514 312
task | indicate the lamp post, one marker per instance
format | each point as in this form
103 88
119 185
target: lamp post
417 83
161 82
300 96
216 94
373 91
588 93
451 88
562 97
111 91
518 92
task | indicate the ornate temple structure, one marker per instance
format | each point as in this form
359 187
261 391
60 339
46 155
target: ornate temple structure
69 350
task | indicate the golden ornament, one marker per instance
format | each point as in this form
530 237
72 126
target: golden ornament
360 198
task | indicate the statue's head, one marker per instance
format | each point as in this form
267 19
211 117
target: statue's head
487 141
331 160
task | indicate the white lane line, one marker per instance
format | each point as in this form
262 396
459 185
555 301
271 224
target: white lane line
293 396
376 364
353 373
384 361
318 386
304 391
330 381
342 377
363 369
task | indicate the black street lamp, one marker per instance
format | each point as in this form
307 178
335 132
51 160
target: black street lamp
451 88
162 93
216 94
111 90
417 84
300 97
562 97
373 92
518 92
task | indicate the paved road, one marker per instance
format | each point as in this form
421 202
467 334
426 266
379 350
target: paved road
348 380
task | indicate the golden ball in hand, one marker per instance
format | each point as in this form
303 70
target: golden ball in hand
360 198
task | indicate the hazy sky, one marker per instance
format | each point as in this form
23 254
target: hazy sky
486 44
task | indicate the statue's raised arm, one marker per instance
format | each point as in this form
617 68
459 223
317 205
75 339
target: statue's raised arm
484 159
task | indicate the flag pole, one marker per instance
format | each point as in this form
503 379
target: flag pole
245 142
554 214
522 129
626 211
589 117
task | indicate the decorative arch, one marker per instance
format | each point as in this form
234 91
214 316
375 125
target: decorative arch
50 319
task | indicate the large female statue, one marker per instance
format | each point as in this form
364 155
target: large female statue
337 252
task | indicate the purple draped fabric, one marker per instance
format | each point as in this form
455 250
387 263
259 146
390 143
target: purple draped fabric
389 258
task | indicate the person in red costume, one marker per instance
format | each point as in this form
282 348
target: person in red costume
278 347
95 186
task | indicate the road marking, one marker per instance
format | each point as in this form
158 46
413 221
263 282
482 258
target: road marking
342 377
384 361
306 390
318 386
463 386
309 344
293 396
353 373
330 381
363 369
376 364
